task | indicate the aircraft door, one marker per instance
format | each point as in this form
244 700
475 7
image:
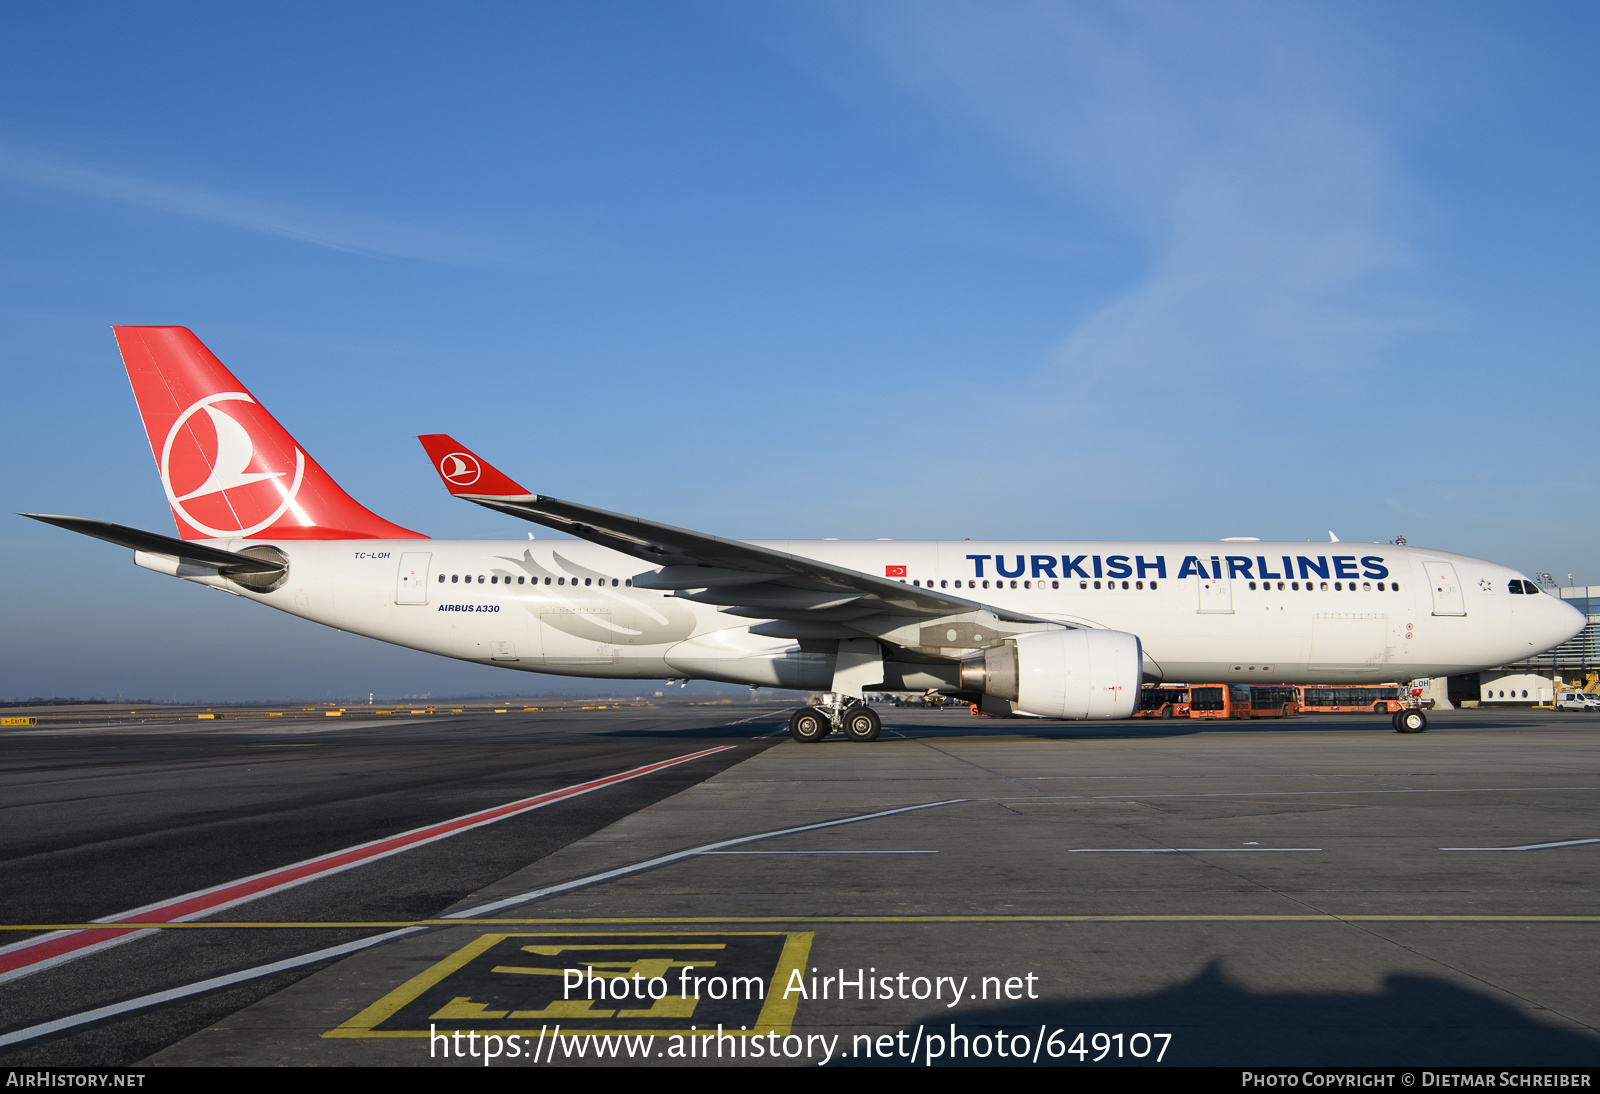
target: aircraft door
1447 598
411 583
1216 595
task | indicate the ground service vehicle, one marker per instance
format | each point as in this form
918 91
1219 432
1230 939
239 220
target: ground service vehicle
1352 699
1157 701
1274 701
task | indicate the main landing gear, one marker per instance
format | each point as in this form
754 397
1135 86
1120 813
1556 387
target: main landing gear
855 719
1410 720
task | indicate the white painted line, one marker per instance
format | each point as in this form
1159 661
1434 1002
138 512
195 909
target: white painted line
1527 846
45 951
677 856
819 852
44 1029
157 998
1180 850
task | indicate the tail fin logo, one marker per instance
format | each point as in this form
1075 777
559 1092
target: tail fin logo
460 468
218 480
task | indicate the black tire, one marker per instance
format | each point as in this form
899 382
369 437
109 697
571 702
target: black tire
862 724
809 725
1410 721
1166 712
1379 708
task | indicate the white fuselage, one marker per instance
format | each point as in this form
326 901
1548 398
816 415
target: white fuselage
1266 612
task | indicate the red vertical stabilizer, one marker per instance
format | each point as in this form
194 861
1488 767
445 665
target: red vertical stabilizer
229 469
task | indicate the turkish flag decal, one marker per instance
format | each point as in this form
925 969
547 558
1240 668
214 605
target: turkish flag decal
894 571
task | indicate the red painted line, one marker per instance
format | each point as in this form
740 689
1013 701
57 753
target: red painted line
34 953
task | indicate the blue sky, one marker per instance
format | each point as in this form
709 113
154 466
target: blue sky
918 270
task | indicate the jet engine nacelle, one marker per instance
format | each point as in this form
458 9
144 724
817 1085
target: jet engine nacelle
1061 674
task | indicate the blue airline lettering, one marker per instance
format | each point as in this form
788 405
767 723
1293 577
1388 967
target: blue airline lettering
1097 566
1117 566
1307 567
1159 566
1239 566
1374 567
1288 567
1070 566
1344 563
1000 568
1044 565
1192 565
978 561
1262 561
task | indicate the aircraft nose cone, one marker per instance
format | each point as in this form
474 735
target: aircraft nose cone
1569 622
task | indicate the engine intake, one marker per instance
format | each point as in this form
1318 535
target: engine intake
1078 674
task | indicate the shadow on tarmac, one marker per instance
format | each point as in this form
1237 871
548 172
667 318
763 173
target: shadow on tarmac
1415 1021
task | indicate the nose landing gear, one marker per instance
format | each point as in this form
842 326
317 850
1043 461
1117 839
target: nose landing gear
1410 720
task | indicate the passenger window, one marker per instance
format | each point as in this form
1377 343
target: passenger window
1055 584
559 580
454 578
480 579
1252 586
520 580
1085 585
588 581
1096 584
1013 584
1324 586
1140 584
441 579
1366 586
1152 584
1393 587
1124 584
1338 588
494 579
1380 586
613 583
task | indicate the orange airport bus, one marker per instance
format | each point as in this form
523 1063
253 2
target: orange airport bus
1352 699
1220 701
1162 702
1274 701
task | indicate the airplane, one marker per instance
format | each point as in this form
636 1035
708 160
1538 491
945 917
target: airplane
1056 630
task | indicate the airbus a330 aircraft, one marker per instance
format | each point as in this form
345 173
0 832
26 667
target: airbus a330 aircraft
1051 630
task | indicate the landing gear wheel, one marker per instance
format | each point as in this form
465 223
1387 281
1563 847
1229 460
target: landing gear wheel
809 725
862 724
1410 721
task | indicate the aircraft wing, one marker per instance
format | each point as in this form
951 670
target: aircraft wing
227 562
741 578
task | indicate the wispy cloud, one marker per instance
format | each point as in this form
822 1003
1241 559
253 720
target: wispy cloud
347 232
1238 140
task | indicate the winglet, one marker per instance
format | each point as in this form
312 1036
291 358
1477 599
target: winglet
466 473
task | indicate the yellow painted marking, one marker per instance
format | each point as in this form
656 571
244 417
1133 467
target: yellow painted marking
777 1013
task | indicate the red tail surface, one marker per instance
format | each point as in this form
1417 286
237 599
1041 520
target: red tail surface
229 469
466 472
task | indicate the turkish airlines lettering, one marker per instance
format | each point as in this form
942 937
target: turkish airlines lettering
1054 630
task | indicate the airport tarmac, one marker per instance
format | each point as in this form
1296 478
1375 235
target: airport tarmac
1314 891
